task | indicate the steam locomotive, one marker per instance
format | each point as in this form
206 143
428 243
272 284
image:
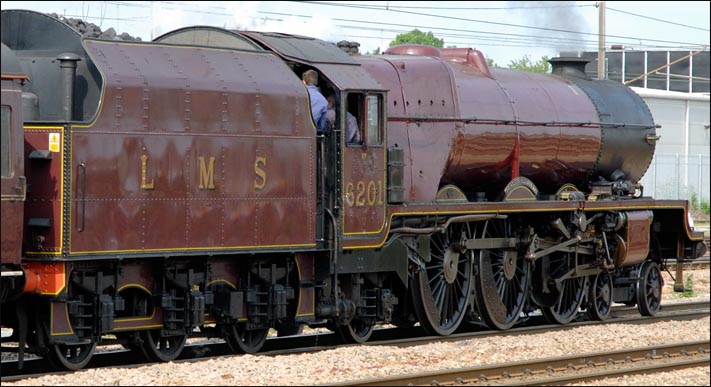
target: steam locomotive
153 190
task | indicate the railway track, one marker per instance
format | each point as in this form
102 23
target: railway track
704 228
386 336
696 264
558 370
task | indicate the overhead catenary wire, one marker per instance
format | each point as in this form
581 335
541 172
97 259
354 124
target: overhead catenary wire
500 23
451 36
527 7
488 39
659 20
509 7
393 8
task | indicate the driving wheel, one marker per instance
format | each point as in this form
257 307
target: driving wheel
442 290
501 278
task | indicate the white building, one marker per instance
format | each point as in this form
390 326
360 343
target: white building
681 164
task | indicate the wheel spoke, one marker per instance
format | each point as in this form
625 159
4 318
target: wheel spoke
443 305
439 296
436 276
438 290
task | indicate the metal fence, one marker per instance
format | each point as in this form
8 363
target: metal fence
675 176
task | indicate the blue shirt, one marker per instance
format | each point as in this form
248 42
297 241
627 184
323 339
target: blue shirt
352 133
318 109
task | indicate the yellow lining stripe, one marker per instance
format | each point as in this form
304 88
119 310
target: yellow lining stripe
135 286
192 249
499 210
61 184
224 281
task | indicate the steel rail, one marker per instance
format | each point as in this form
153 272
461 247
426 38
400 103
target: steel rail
635 360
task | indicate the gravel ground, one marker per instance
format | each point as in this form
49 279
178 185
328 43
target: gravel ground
357 362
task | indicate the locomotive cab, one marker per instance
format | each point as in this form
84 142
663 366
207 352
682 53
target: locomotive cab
13 175
352 183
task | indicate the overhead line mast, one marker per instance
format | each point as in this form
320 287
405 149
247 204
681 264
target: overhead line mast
601 43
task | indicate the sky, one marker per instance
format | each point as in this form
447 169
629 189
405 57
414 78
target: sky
503 30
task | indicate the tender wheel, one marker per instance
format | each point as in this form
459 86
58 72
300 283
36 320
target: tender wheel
63 356
70 357
357 331
600 296
137 305
442 291
243 340
572 292
501 279
159 348
649 289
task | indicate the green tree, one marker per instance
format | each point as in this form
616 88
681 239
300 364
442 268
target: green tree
525 64
704 207
418 37
490 62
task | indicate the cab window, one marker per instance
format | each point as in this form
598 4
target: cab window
366 111
355 113
373 103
